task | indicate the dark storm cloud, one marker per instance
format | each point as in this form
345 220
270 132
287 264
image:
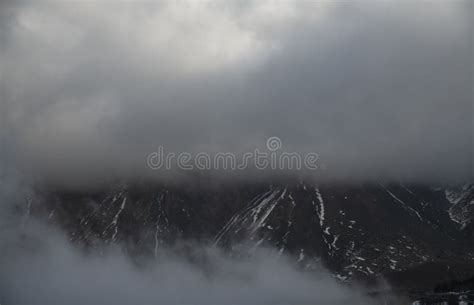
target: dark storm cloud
378 90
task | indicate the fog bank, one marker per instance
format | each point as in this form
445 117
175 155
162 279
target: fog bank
42 267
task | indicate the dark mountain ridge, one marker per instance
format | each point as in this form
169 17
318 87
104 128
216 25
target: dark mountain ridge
415 236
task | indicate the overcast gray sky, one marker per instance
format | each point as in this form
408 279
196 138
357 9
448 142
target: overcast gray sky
379 89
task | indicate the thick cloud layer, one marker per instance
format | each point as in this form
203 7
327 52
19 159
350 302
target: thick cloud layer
380 90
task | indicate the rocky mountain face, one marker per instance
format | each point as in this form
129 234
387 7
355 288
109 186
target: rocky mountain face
462 207
415 236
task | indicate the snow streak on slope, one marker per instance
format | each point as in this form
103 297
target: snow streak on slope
260 214
161 224
253 215
116 217
320 209
404 205
462 200
114 223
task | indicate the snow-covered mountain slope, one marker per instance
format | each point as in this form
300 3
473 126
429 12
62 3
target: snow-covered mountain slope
355 230
462 200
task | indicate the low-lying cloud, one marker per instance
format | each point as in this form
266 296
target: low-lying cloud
41 267
380 90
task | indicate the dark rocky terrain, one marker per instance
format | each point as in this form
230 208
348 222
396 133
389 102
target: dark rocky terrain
414 236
